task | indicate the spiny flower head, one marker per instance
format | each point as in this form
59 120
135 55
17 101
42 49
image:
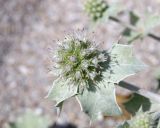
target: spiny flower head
141 120
96 8
79 61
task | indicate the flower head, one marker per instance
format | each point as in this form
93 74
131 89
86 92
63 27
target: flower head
79 60
141 120
96 8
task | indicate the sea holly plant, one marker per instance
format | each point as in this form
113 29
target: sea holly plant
137 28
90 74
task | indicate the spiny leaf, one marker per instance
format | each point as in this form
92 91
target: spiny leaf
59 108
100 100
61 90
122 63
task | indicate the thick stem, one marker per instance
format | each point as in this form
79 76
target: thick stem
150 95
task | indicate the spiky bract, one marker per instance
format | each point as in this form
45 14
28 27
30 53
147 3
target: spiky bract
79 61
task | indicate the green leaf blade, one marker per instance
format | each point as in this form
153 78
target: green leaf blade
122 63
62 90
100 100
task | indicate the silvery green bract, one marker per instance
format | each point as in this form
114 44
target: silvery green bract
90 75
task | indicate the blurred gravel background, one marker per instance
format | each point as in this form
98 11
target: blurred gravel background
28 29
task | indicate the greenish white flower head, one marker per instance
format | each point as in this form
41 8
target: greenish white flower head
79 61
96 8
141 120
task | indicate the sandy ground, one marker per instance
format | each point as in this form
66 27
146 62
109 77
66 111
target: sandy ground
28 30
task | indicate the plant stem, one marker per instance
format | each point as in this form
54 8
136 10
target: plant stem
150 95
122 23
132 27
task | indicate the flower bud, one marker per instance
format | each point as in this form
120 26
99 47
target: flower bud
96 9
141 120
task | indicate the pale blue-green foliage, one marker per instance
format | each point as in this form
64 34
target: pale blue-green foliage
30 120
122 63
97 98
62 90
142 26
100 100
